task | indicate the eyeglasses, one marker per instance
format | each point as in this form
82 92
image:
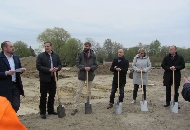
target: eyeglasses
141 53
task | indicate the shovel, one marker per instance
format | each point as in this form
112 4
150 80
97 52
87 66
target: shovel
143 103
173 104
118 105
60 108
88 106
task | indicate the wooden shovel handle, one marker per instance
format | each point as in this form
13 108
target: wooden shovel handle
55 78
56 85
142 82
118 83
87 82
173 83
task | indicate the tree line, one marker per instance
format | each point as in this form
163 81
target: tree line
68 48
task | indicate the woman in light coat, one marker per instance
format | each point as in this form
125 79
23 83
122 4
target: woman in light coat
141 62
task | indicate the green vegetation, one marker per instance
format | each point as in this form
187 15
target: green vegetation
187 65
22 50
68 47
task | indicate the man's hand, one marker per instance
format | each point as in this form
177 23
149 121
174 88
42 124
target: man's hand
118 69
23 69
173 68
54 69
87 68
10 72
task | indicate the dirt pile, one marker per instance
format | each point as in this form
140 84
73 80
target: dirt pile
30 64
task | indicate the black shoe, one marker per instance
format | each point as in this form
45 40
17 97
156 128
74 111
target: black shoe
179 107
43 116
110 105
52 113
166 105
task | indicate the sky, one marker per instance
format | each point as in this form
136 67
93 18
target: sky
128 22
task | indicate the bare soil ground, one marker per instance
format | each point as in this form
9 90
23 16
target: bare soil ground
132 118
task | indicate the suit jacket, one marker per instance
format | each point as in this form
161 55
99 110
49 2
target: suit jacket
123 65
179 64
6 84
43 65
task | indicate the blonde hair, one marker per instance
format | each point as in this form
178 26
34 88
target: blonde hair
142 50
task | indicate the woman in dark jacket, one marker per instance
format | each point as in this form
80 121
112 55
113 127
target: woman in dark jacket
172 62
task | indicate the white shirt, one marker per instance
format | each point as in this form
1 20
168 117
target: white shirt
12 65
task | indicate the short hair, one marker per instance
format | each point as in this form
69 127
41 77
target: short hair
142 50
87 43
121 49
4 44
48 42
174 47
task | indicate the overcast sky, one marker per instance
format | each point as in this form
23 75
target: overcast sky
123 21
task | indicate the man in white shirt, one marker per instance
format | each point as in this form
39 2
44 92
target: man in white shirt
10 69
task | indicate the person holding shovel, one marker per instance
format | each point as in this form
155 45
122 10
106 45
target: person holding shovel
141 64
172 62
47 63
119 64
85 61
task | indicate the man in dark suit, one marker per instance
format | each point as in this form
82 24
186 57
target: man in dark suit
10 69
172 62
47 63
120 64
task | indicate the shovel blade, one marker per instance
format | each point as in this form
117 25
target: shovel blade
118 108
61 111
88 108
144 105
174 107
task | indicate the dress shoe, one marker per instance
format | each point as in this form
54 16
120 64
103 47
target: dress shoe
74 111
109 106
43 116
52 113
167 105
